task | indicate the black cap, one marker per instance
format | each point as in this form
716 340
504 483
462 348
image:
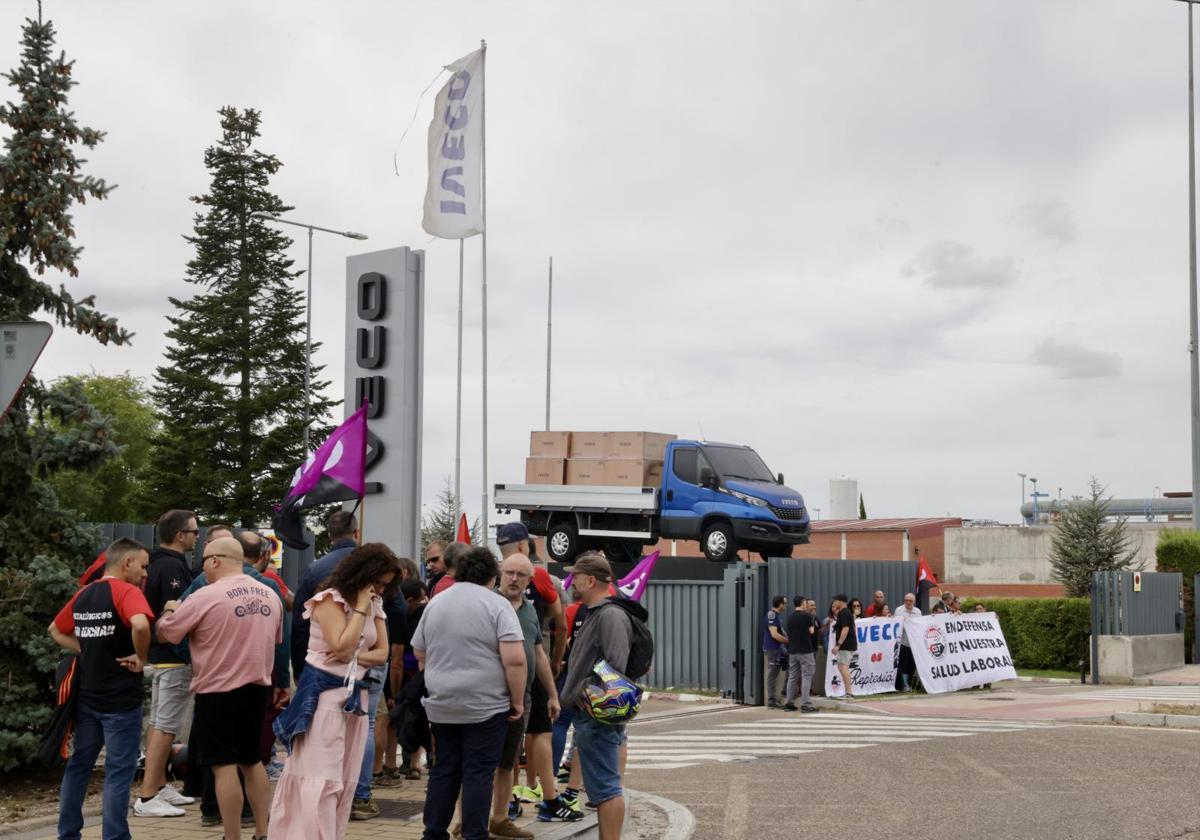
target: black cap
511 532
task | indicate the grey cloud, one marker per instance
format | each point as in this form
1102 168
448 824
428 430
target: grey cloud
1074 361
1052 219
953 265
893 225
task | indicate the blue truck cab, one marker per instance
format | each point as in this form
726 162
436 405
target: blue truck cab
724 496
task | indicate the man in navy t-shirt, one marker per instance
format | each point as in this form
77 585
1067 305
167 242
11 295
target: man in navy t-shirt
107 623
774 644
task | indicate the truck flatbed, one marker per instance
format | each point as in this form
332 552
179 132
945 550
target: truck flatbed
577 498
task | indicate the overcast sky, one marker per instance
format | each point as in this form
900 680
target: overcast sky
928 245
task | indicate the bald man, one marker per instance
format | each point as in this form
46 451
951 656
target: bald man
234 624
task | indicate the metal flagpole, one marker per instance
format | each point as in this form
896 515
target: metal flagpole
308 346
549 327
1192 349
458 404
483 290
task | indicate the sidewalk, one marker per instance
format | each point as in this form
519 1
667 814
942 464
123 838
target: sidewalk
1010 700
399 819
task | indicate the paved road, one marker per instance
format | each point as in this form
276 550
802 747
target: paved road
861 775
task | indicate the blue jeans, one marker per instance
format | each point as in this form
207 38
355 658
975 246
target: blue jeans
465 757
374 683
597 748
558 735
120 733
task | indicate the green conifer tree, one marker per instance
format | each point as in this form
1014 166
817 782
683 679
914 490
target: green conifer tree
441 523
43 547
862 507
231 396
1084 543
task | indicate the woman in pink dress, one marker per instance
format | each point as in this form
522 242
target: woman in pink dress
325 725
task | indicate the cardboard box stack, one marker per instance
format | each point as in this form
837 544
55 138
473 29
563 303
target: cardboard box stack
607 459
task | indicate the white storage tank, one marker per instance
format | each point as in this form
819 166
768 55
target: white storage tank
843 498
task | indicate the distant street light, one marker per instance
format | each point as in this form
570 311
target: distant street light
1023 476
1195 361
349 234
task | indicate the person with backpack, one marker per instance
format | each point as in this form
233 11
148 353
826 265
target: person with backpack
613 638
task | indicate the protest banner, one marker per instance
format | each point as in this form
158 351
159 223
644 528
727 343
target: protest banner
873 667
959 651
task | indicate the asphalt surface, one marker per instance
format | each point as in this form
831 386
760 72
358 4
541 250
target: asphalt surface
1064 780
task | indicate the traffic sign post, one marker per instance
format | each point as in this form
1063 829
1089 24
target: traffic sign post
21 343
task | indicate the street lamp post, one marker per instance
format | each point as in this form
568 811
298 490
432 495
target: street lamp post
349 234
1023 476
1192 341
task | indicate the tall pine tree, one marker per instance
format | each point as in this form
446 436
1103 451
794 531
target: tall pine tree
231 396
42 546
1084 543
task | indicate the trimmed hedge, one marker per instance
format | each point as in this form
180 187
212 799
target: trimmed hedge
1179 551
1045 633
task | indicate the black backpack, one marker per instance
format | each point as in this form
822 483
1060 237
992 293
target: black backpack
641 651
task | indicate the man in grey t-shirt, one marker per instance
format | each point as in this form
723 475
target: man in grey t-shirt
472 651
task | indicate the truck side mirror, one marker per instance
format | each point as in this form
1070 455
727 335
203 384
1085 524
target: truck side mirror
707 478
779 478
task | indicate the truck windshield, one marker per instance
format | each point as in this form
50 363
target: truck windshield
738 463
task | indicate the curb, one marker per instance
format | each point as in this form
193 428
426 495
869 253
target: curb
34 826
1157 720
680 821
684 697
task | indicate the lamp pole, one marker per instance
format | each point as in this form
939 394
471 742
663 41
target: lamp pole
1023 476
1195 361
349 234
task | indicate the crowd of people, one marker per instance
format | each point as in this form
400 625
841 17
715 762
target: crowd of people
367 676
791 641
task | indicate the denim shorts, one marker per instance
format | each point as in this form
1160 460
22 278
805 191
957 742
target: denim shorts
597 745
170 697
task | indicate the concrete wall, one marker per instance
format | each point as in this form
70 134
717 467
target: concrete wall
1022 555
1124 657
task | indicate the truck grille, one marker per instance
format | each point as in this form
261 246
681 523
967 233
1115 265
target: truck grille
788 513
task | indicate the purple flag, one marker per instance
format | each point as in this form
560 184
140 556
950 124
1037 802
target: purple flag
633 585
336 472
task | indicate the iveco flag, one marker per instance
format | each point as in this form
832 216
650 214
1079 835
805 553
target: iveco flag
453 198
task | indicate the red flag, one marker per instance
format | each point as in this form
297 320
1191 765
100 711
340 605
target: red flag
464 533
925 574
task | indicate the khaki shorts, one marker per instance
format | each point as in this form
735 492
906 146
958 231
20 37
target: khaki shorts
170 698
844 657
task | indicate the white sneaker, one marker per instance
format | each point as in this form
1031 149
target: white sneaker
155 807
173 797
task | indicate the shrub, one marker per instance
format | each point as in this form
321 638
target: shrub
1044 633
1179 551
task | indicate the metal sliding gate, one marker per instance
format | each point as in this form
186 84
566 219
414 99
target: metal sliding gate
1134 604
708 634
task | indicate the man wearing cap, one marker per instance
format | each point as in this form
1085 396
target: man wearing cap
513 539
606 634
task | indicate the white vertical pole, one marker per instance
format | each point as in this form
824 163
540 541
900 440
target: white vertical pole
307 344
458 403
1192 349
483 511
549 327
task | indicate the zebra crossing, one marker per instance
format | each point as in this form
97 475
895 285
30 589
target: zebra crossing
794 735
1181 694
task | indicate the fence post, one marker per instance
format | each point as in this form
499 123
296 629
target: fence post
1097 594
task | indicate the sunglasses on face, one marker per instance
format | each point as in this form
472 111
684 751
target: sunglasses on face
195 531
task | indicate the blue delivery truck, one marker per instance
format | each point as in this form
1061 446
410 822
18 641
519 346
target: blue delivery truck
720 494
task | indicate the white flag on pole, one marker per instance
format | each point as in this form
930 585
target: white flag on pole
453 198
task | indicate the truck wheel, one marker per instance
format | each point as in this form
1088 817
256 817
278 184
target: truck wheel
562 542
718 542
